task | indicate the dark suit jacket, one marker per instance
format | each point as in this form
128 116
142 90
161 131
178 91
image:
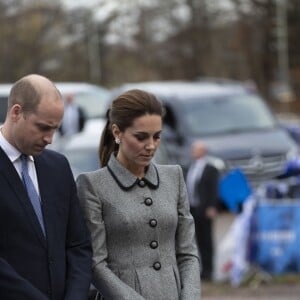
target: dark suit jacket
206 189
32 267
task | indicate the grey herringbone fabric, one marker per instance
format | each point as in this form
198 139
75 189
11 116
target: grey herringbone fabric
142 233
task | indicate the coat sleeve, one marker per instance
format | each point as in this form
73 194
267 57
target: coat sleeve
186 248
13 286
108 284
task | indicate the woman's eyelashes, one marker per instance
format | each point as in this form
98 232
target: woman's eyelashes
145 136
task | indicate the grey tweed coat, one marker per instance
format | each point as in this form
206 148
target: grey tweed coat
142 233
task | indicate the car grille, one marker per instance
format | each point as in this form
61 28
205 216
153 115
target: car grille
259 168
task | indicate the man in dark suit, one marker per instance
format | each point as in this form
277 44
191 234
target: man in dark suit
202 185
45 250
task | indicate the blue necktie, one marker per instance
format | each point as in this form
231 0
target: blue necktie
31 191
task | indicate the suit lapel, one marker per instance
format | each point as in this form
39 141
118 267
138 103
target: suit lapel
17 187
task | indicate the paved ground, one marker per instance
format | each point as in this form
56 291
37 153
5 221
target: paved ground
271 291
285 287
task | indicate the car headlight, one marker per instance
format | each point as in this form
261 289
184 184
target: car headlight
293 154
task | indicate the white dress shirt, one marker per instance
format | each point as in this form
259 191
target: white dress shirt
193 175
70 122
14 156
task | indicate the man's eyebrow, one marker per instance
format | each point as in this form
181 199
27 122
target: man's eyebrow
45 125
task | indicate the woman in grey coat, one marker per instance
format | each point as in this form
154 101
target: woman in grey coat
137 211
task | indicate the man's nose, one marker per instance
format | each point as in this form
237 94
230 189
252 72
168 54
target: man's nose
48 138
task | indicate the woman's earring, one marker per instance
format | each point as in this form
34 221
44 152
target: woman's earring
117 140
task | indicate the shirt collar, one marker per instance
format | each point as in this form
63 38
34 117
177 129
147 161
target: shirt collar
126 180
12 152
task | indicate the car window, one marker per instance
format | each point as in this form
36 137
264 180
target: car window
94 103
236 113
93 99
169 118
3 108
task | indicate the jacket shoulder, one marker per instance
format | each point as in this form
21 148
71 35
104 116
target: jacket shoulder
169 171
168 168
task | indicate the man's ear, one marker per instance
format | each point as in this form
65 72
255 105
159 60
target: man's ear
16 112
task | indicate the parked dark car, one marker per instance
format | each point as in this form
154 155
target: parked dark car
234 122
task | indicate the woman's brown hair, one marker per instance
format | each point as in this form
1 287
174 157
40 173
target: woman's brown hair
124 110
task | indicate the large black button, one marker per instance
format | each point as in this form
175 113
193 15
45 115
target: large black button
154 244
148 201
141 183
157 266
153 223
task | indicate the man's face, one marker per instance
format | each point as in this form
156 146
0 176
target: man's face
32 132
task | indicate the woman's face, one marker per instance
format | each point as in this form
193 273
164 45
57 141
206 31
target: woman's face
139 142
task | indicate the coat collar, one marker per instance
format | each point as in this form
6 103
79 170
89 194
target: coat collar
126 180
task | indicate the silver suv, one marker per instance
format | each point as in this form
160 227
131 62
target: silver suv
92 98
234 121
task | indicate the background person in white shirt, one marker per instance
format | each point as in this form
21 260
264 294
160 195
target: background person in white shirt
74 117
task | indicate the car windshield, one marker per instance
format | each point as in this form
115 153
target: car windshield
93 102
235 113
